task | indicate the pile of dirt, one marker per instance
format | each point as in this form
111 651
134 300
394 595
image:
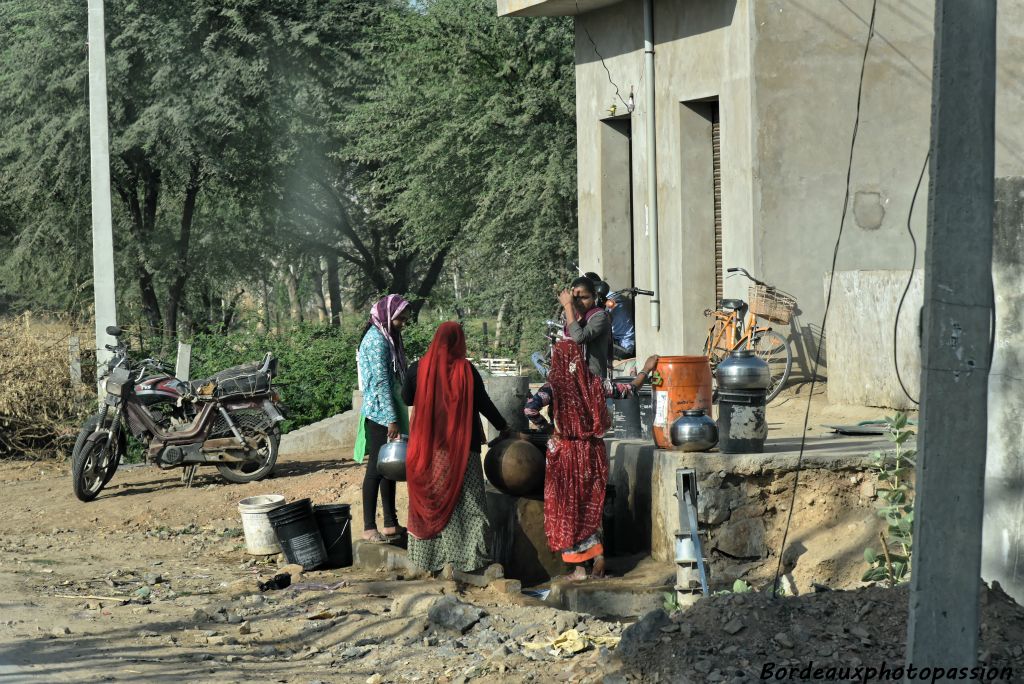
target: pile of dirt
751 636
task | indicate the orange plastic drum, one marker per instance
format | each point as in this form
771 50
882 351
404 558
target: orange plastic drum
685 385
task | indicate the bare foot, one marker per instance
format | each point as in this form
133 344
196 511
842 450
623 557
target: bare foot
577 575
598 571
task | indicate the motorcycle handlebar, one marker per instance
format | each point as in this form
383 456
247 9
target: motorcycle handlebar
634 291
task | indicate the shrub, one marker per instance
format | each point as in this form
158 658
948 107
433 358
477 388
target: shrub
317 366
317 363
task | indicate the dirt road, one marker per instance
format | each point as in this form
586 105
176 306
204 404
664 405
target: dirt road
150 582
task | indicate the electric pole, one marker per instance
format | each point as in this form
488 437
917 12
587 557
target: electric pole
943 621
104 297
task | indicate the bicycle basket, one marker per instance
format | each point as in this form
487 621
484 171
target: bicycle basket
767 302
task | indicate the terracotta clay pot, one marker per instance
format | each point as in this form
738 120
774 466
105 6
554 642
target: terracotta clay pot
516 467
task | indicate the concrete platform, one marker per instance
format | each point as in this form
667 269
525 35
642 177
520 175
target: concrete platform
637 585
646 510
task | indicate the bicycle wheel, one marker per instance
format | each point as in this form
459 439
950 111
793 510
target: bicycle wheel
774 349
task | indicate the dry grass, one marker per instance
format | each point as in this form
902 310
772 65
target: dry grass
40 409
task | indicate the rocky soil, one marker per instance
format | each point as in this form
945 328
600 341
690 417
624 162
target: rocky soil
740 637
151 583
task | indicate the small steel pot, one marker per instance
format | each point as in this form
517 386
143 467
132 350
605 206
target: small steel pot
694 431
391 460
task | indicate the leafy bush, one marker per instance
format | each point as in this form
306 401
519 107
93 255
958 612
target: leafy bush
317 366
896 505
317 363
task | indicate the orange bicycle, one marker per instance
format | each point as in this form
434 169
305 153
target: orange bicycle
736 326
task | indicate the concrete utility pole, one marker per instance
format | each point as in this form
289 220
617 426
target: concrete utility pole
102 230
943 619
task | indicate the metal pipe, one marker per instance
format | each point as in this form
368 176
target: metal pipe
651 214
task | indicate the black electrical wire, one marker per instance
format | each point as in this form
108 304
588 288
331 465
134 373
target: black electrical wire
910 280
828 300
618 93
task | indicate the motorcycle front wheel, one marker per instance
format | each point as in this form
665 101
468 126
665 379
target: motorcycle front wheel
94 463
267 442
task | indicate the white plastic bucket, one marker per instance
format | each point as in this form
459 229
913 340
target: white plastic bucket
260 539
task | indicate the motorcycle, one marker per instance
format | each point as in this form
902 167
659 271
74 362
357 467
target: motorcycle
230 420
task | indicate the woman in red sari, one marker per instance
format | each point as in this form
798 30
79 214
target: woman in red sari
577 464
447 505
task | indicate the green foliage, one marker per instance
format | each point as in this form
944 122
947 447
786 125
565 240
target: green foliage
671 602
317 363
892 563
317 366
470 136
405 143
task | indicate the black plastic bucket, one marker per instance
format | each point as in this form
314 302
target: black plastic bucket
625 415
645 399
298 534
742 427
335 524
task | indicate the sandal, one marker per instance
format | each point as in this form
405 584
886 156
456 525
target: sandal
398 534
376 538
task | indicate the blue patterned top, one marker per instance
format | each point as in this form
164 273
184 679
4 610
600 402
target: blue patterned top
378 376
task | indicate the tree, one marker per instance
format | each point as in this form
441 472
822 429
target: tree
380 138
469 143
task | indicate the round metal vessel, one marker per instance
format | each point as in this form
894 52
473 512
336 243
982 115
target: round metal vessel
694 431
391 460
742 369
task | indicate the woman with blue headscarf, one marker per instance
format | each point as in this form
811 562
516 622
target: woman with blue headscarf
381 363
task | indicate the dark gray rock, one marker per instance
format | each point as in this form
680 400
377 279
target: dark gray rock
450 613
646 630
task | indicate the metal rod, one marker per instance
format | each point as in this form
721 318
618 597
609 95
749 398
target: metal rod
650 131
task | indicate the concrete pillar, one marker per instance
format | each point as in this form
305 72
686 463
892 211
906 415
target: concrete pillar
1003 536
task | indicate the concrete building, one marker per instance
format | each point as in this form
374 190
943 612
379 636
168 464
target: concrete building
755 103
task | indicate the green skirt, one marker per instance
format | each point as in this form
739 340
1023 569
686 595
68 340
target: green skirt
465 540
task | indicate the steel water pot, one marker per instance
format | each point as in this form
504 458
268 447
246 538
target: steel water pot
694 431
391 459
743 369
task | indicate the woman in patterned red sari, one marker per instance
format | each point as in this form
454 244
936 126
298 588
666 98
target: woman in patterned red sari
577 463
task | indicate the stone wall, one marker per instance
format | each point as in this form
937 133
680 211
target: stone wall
743 506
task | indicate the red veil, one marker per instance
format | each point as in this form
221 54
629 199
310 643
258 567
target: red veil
442 428
577 467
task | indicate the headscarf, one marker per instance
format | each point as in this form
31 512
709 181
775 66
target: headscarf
381 315
577 468
442 428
